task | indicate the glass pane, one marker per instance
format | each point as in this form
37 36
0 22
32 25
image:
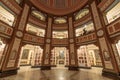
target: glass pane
31 55
38 15
60 34
6 16
114 13
81 13
88 55
35 31
60 20
85 29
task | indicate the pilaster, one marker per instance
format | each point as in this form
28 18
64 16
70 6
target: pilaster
47 46
73 62
106 52
10 63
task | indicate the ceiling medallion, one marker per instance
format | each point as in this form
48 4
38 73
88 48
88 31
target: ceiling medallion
19 34
100 33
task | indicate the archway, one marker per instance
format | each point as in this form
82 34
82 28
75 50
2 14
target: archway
88 56
59 57
31 55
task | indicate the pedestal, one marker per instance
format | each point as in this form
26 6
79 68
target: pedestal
45 67
8 73
110 74
75 68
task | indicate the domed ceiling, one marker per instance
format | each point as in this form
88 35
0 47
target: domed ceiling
59 7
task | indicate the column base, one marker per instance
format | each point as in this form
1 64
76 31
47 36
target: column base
45 67
75 68
53 66
35 66
66 66
85 67
8 73
110 74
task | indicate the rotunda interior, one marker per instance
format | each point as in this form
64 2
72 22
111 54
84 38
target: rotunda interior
61 35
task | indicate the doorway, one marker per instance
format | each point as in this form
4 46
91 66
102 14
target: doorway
89 56
31 55
60 56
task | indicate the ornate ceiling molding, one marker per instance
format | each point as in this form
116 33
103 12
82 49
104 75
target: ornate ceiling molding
51 7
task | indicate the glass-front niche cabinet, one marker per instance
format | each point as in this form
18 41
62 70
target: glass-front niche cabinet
2 48
6 15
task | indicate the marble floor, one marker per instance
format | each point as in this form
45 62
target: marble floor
27 73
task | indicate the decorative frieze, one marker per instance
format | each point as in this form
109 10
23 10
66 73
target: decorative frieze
32 38
59 41
60 26
86 38
5 29
114 27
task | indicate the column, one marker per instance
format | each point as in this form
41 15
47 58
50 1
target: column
110 66
10 64
73 62
47 46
